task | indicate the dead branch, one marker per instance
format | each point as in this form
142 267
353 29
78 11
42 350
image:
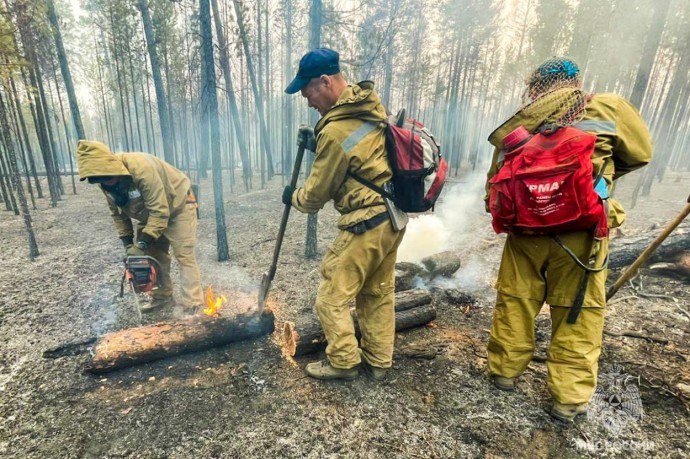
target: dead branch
633 334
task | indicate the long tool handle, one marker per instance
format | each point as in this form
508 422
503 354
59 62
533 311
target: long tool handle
286 211
632 269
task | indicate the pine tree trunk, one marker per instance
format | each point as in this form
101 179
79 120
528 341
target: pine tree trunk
651 45
46 151
6 182
168 148
22 150
14 171
106 111
134 101
265 143
64 125
315 20
64 68
210 115
230 95
27 141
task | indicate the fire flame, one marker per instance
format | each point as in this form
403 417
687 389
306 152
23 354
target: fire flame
213 305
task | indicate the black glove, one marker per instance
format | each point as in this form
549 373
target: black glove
287 195
306 136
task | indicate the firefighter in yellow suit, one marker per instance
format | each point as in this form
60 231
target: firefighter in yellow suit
142 187
360 264
536 269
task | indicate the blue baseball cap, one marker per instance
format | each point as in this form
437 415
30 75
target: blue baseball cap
321 61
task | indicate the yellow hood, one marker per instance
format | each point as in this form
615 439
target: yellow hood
95 159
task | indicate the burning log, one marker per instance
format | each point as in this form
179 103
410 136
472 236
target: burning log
413 308
134 346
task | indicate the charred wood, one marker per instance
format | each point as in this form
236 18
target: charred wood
308 337
134 346
623 252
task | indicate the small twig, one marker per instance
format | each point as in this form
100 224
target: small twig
641 364
654 295
584 435
683 310
632 334
623 298
262 242
431 447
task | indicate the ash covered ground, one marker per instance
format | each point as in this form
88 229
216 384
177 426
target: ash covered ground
250 400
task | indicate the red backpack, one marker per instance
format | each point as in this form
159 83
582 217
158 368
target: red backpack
419 170
545 186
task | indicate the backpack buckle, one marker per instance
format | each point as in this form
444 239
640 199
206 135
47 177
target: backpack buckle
548 129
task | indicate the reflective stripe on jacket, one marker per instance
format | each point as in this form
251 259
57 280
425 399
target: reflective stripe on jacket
350 136
623 140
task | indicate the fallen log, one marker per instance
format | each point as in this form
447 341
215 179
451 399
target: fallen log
623 252
307 336
134 346
411 299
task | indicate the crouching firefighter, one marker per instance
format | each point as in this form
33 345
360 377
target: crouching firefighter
360 263
158 196
552 171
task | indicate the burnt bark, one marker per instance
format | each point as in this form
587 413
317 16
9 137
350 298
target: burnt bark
623 252
412 309
134 346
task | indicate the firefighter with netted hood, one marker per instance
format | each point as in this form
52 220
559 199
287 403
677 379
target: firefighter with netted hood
158 196
360 263
564 146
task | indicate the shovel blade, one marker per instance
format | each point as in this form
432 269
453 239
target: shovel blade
263 290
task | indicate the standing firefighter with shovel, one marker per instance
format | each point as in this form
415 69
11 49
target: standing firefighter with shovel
554 164
360 263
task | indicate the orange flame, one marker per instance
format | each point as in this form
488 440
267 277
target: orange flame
213 305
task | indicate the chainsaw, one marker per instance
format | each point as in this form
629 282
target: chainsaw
142 275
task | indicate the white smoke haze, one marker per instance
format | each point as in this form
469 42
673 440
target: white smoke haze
452 227
449 226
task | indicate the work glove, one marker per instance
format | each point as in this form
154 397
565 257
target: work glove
287 195
135 251
306 136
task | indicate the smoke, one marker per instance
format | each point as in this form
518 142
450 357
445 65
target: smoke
109 310
454 221
455 225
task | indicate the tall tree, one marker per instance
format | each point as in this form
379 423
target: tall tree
166 133
230 95
64 68
210 125
265 140
14 172
651 46
315 21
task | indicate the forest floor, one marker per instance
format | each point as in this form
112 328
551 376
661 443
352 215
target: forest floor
249 400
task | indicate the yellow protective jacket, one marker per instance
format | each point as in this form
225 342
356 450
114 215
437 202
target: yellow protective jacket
349 137
623 141
159 191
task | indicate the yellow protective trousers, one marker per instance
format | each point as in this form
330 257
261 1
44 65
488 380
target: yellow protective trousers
535 270
359 267
181 235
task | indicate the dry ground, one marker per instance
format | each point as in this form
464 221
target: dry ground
249 400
